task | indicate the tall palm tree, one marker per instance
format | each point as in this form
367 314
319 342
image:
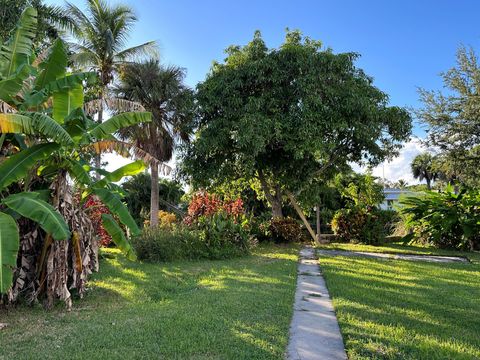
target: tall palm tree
102 33
161 90
423 168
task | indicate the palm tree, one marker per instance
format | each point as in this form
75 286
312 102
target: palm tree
102 34
423 168
401 184
160 89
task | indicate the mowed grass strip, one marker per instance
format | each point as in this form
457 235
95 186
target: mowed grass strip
233 309
395 309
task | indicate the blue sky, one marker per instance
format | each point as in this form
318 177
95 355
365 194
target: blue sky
403 44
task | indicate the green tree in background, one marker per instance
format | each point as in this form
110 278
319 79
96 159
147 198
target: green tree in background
424 167
138 190
288 118
453 119
160 90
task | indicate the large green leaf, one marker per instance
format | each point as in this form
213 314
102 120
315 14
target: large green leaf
31 206
79 172
31 123
65 101
10 86
19 48
127 170
53 66
9 244
62 84
17 166
118 236
118 208
118 122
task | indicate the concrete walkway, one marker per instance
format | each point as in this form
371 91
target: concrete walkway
429 258
314 331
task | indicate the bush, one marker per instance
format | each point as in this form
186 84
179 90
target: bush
204 204
444 219
214 237
165 219
285 230
363 224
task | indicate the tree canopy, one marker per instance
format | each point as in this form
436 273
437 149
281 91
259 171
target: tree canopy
289 118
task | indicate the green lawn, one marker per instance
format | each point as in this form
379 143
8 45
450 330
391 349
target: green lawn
236 309
394 309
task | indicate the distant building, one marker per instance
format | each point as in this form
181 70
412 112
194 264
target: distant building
392 196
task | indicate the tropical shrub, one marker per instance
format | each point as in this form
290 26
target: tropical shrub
285 230
165 219
362 224
444 219
95 208
214 237
204 204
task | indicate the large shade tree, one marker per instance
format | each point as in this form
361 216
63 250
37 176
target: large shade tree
102 33
161 90
289 118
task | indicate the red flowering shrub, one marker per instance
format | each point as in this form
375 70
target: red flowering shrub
95 208
205 204
285 230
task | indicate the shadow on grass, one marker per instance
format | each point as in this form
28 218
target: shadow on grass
229 309
398 309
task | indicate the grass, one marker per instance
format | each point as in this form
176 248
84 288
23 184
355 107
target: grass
236 309
394 309
399 248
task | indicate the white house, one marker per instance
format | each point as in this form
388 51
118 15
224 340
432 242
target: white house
392 197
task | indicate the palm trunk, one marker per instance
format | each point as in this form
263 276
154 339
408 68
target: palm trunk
98 157
154 196
429 183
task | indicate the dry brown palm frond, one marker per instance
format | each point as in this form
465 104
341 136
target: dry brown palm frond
117 105
6 109
128 150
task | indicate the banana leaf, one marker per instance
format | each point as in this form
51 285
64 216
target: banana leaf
9 243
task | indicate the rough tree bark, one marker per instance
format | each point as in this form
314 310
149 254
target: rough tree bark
275 200
154 196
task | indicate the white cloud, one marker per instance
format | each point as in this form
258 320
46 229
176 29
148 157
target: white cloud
399 167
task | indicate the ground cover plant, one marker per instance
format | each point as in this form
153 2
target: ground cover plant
393 309
182 310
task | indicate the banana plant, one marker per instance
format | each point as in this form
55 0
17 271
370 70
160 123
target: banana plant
51 136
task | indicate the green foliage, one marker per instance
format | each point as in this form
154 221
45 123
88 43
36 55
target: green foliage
445 219
272 115
137 198
215 237
363 225
452 118
118 236
359 190
17 166
285 230
424 167
9 244
31 206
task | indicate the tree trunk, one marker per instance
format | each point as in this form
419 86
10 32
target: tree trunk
429 185
302 216
275 201
98 157
154 196
318 222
